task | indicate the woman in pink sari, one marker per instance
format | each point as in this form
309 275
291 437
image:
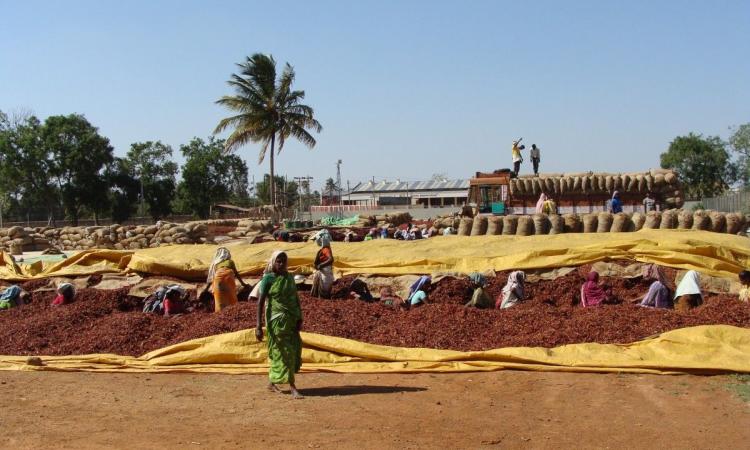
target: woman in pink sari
592 294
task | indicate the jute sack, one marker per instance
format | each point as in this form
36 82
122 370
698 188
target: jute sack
668 220
541 224
590 223
494 226
509 225
465 226
572 223
653 220
556 224
620 223
701 221
479 227
604 222
718 222
735 223
685 220
638 220
609 183
525 226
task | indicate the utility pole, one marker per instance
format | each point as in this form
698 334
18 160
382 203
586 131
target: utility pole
338 178
302 182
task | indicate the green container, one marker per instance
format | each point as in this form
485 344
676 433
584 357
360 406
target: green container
498 208
288 224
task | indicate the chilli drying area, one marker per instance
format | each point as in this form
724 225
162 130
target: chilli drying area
111 321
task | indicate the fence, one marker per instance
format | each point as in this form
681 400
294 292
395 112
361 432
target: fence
735 202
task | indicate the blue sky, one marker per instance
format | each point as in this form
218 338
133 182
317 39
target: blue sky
404 89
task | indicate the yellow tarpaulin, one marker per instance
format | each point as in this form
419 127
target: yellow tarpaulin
698 350
716 254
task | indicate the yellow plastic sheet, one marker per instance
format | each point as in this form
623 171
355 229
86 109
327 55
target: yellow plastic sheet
716 254
698 350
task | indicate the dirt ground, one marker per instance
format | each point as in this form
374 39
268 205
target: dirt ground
508 409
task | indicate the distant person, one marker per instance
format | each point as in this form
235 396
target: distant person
12 297
479 298
323 277
65 294
688 294
384 233
745 290
221 278
615 205
360 291
517 158
592 293
649 203
534 155
513 291
540 203
418 291
658 295
372 234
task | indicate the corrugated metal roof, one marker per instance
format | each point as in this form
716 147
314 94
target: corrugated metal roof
395 186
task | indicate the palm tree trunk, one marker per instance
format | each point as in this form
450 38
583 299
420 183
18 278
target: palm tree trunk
272 187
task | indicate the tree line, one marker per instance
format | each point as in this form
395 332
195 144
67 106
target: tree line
708 165
63 168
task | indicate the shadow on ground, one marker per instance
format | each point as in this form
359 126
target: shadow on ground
332 391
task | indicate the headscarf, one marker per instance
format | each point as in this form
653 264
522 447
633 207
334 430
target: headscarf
591 289
615 194
654 272
174 288
513 290
272 261
419 284
540 203
689 285
221 255
322 238
478 279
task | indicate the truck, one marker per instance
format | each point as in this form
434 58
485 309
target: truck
501 192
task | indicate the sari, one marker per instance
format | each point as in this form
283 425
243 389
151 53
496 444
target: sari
283 313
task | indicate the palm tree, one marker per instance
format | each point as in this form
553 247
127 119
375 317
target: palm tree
268 110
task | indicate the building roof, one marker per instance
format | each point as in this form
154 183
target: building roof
403 186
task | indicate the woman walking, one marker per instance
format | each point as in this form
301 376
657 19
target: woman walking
283 323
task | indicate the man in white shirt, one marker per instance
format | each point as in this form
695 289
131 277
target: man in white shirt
534 155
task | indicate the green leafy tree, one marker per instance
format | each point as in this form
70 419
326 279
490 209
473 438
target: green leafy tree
80 155
287 191
209 176
740 144
704 164
26 164
150 163
124 190
267 110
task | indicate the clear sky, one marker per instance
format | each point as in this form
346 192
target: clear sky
404 89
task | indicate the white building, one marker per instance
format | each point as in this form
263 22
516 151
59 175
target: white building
430 194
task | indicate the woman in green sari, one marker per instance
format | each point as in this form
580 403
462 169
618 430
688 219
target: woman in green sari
283 322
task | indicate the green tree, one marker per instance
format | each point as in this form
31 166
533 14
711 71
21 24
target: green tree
150 163
124 190
740 143
704 164
287 191
267 110
26 164
80 155
209 176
